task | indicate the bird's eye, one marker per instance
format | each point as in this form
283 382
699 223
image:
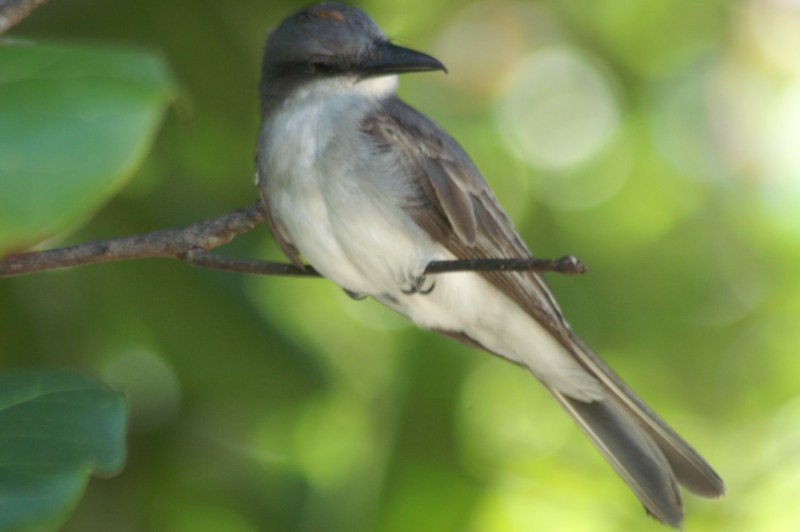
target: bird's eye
319 66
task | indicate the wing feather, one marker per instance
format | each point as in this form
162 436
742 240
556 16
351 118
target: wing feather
455 206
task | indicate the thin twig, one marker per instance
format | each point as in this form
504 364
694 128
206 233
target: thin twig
204 259
568 265
13 11
191 244
565 265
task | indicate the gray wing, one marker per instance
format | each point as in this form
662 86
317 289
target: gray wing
455 206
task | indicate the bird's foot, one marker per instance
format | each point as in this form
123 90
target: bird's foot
355 295
419 285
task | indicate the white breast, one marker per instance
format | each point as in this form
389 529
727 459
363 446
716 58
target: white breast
332 194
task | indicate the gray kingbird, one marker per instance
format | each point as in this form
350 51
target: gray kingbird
370 191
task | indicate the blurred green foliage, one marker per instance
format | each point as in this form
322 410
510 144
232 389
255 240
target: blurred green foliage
655 140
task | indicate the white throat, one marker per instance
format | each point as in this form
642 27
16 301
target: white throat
371 89
378 88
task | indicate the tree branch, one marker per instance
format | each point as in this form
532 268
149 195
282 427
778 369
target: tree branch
165 243
191 244
13 11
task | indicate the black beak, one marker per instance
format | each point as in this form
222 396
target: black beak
388 58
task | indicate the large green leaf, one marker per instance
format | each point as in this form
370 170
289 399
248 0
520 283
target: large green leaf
55 429
74 124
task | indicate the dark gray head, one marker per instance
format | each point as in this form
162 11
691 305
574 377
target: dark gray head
332 39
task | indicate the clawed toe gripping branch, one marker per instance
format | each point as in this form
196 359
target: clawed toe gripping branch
192 244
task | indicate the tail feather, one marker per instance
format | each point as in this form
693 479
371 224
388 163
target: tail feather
632 452
690 469
646 452
692 472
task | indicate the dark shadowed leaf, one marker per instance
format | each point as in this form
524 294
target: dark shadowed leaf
55 430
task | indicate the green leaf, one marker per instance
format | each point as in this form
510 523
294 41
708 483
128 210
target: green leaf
55 429
75 122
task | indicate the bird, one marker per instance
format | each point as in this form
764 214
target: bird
369 191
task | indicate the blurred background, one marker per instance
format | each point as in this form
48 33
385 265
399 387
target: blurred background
658 141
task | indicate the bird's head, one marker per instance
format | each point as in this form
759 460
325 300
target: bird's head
334 40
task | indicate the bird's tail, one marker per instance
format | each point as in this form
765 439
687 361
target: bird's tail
649 456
